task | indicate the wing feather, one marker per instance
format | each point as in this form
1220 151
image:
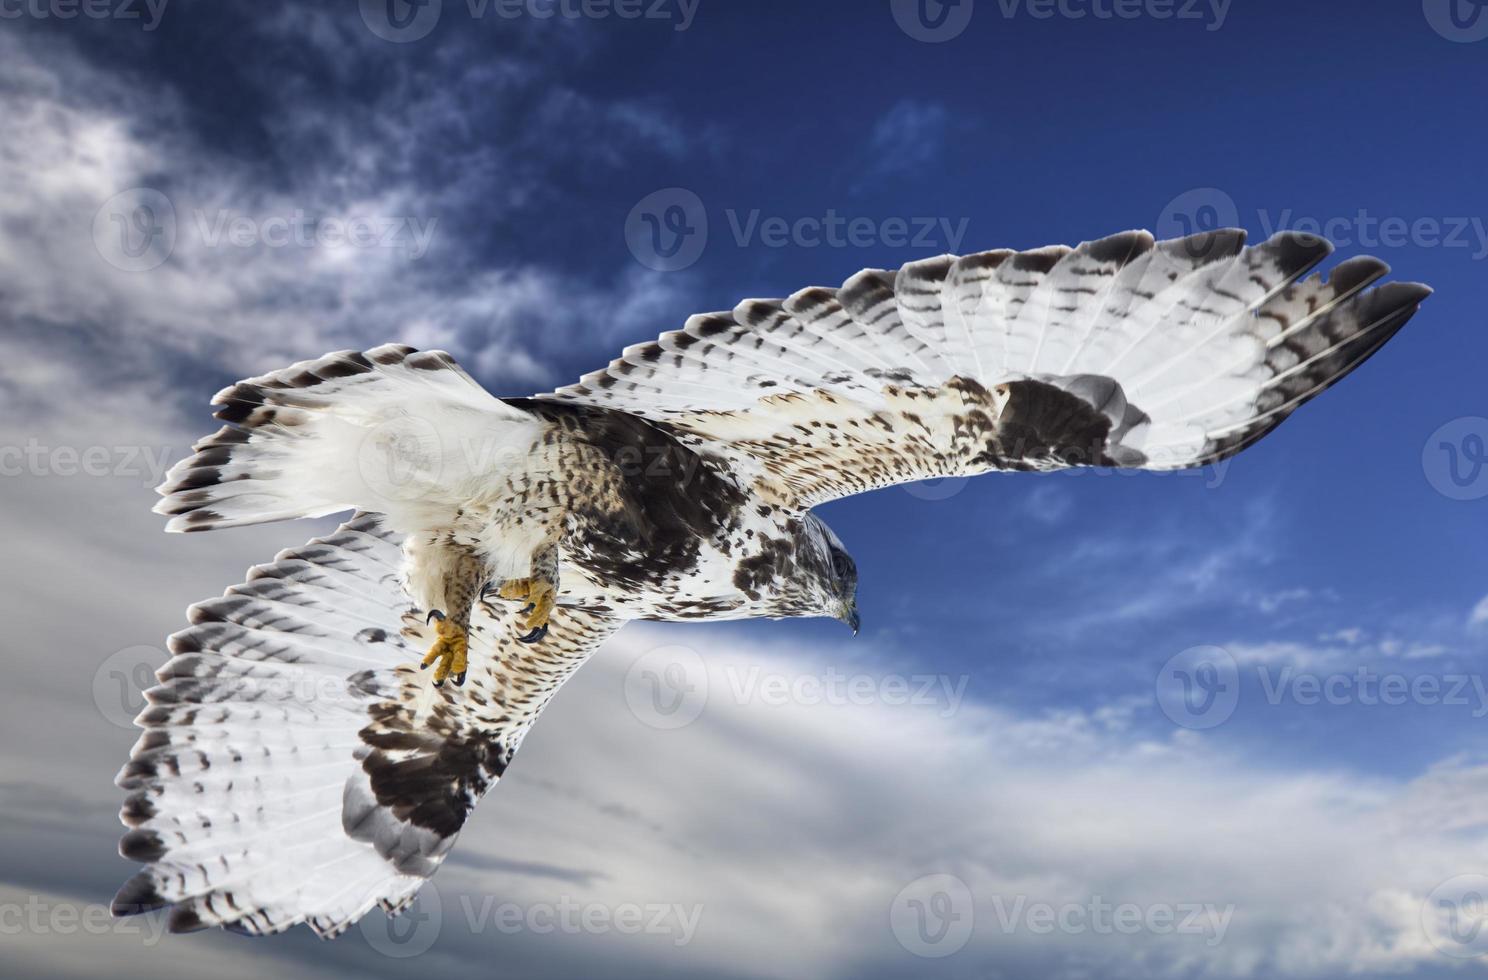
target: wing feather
296 766
1124 351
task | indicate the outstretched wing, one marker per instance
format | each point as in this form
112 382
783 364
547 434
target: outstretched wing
296 766
1121 352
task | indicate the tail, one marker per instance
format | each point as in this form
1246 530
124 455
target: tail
389 431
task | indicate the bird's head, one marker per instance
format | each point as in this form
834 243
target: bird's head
831 573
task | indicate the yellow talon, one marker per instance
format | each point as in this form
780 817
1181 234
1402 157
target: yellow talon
516 588
451 651
542 595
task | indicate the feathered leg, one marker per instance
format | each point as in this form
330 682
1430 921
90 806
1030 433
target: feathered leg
461 578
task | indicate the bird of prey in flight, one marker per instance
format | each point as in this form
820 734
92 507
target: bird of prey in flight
323 730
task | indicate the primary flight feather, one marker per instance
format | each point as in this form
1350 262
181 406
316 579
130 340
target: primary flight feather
301 763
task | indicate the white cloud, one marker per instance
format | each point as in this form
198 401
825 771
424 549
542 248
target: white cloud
795 826
251 282
1479 614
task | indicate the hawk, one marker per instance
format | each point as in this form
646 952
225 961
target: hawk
300 760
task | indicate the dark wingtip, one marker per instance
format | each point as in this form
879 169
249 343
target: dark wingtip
144 846
137 896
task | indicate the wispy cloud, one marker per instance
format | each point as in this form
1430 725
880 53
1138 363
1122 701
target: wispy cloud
909 138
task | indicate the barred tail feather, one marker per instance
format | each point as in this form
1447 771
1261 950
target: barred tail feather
376 431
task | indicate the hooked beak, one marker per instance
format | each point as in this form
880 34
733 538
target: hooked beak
850 616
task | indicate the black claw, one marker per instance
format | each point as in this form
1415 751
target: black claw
433 615
439 683
460 679
423 666
527 608
535 635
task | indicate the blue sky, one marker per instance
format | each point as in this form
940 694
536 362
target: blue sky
504 164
